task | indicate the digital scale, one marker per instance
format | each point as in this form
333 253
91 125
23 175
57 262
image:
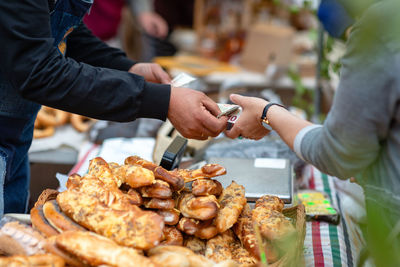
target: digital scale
260 176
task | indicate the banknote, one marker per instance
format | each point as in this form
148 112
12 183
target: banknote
232 112
182 79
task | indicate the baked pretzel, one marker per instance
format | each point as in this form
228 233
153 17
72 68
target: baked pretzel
40 223
51 247
205 187
43 131
82 123
232 201
52 117
171 217
44 260
244 230
20 239
225 246
188 225
100 169
195 244
200 208
172 236
159 204
273 224
58 219
207 171
200 229
73 181
98 250
270 202
46 195
134 175
175 181
207 230
136 160
134 197
109 196
159 189
172 256
128 225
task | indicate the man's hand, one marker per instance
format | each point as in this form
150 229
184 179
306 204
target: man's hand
194 114
249 124
153 24
151 72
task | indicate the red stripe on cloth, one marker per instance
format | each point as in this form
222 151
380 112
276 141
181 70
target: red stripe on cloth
80 163
317 248
311 183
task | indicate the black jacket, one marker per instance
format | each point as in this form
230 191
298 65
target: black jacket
92 78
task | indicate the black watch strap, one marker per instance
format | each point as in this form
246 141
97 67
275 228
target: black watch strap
265 111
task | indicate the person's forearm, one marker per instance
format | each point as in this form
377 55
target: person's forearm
83 46
286 124
34 67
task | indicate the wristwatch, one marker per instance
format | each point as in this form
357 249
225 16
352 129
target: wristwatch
264 120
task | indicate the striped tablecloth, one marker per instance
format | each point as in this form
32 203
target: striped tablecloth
325 244
328 244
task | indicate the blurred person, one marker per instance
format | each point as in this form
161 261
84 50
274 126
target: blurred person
104 18
158 19
152 23
361 135
49 57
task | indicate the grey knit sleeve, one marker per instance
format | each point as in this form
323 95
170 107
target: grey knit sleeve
359 120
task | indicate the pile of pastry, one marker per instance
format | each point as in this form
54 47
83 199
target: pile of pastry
49 118
140 214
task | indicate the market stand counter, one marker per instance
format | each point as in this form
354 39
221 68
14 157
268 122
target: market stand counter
325 244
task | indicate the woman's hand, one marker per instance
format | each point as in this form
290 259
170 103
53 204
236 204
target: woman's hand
151 72
249 123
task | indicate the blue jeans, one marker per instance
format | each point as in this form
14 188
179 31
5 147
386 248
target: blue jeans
17 116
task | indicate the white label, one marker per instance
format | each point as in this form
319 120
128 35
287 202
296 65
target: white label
270 163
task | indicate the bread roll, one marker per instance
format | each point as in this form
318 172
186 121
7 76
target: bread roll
58 219
40 223
20 239
44 260
97 250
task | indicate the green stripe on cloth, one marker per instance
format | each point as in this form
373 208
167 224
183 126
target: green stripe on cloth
335 246
333 233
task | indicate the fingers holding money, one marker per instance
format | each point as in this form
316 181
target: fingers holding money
194 114
248 125
213 126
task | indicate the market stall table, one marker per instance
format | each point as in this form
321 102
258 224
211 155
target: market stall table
325 244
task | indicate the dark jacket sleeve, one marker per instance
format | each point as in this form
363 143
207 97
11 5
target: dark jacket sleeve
33 66
83 46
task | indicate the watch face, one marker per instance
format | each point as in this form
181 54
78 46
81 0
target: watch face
266 126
